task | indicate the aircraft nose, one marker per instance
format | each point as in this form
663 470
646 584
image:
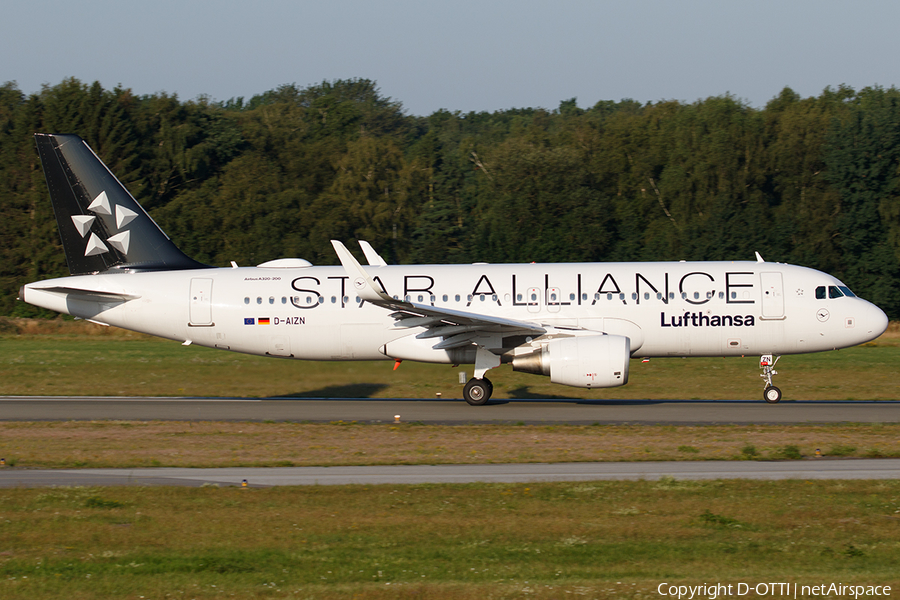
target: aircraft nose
876 321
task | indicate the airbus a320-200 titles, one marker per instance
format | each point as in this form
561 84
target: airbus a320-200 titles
580 324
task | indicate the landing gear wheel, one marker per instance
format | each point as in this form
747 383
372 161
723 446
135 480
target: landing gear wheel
478 391
772 395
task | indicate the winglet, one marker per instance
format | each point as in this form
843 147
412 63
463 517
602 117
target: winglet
373 257
363 284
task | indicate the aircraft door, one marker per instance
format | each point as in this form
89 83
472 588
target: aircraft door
533 299
554 299
772 296
201 302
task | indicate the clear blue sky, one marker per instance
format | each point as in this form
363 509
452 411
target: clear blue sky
460 55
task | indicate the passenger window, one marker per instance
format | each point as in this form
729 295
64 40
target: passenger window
444 297
258 300
833 292
820 292
271 299
284 300
571 296
456 298
246 300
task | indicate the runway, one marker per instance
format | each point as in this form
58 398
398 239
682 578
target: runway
417 474
378 410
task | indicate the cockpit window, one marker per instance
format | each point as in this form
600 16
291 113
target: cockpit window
820 292
833 292
846 291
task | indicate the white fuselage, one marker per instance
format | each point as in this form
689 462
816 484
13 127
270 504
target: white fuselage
312 313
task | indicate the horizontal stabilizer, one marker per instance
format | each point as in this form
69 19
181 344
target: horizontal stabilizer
98 295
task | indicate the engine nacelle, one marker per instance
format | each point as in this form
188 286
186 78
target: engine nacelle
589 361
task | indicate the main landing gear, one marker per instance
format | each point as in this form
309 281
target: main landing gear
478 391
771 394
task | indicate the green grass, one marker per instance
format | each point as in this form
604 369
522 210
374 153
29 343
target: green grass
139 365
135 444
443 541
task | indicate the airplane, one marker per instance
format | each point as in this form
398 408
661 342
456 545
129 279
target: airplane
579 323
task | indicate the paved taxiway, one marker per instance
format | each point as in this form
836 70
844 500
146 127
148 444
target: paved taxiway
412 474
375 410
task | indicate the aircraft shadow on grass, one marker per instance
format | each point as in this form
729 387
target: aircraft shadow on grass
523 393
350 390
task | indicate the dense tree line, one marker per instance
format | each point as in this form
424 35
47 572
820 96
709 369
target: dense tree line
812 181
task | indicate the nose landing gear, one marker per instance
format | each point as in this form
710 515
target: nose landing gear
771 394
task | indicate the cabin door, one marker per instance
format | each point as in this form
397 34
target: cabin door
772 296
201 302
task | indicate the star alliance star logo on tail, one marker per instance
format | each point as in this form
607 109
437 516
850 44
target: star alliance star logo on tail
101 206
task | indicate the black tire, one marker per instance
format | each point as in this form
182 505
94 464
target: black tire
477 392
490 386
772 395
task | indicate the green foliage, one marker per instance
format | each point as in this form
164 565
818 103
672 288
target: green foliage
790 452
709 518
749 451
813 181
98 502
841 450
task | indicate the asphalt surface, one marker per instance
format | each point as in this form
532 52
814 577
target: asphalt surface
415 474
378 410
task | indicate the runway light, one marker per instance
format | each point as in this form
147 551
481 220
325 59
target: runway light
243 483
818 452
2 462
438 395
396 418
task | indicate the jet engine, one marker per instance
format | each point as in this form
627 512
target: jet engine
590 361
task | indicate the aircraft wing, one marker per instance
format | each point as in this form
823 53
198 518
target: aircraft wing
457 327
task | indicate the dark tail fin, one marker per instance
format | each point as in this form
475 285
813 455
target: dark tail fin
101 225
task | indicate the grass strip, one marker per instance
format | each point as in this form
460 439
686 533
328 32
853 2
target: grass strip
132 444
542 540
65 358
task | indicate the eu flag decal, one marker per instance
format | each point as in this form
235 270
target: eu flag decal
249 321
